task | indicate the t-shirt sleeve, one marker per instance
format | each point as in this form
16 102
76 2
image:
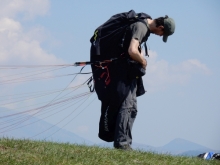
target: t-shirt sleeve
138 31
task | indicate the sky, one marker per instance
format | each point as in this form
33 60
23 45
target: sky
182 77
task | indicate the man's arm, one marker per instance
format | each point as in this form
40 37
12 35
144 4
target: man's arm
135 54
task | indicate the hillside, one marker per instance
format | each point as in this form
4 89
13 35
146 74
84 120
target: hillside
22 152
175 147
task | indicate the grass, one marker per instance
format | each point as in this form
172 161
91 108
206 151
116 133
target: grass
27 152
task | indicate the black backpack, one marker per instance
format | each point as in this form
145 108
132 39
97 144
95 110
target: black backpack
110 35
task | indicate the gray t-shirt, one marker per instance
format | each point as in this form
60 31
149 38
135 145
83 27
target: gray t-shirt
139 31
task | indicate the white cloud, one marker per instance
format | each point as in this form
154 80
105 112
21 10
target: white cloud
160 74
17 45
29 8
20 45
194 65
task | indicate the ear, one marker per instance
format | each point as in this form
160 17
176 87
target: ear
161 27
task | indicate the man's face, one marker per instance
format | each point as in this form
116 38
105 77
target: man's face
159 31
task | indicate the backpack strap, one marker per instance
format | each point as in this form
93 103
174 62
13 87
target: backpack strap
145 43
146 50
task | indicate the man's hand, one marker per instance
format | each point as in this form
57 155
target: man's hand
135 54
144 65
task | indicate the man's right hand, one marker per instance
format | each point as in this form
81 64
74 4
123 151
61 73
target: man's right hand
135 54
144 65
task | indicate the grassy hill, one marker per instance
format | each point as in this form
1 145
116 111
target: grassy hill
26 152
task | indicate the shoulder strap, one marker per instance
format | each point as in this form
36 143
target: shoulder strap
145 43
146 50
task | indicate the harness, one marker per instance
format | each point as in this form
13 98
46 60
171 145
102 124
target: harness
100 65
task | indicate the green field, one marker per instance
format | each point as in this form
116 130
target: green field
26 152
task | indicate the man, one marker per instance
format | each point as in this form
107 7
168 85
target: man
120 83
163 26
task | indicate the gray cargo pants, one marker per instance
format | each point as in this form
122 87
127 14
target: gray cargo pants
125 119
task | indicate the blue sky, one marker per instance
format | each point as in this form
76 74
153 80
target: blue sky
183 75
